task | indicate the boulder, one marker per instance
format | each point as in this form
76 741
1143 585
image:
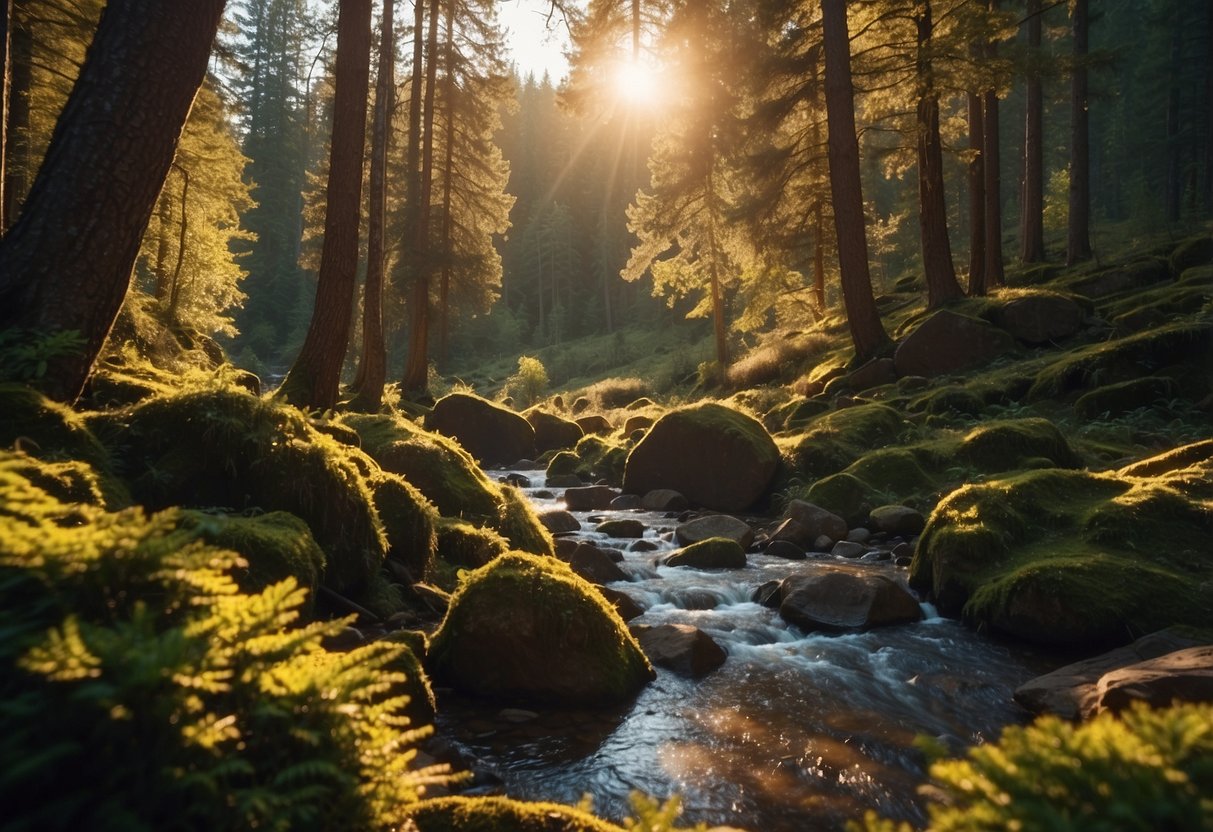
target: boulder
848 549
558 521
785 549
624 604
817 521
552 433
767 594
621 528
713 553
1040 318
859 535
715 456
637 422
948 342
489 432
1182 676
845 600
1135 275
663 499
874 373
625 502
791 531
589 497
715 525
897 520
595 565
686 650
526 629
595 423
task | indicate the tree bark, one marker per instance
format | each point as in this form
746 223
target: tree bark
314 379
6 17
977 198
867 332
19 77
1174 185
1032 206
174 295
372 365
1078 242
932 208
65 264
992 169
448 175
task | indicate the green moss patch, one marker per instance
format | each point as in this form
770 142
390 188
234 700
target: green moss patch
408 522
527 629
1014 444
500 814
836 439
1118 399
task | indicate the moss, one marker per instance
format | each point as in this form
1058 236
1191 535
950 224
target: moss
422 706
408 522
1006 445
835 440
846 495
958 400
111 385
461 543
1160 305
563 464
1195 251
527 628
1117 399
712 553
519 524
500 814
381 596
600 458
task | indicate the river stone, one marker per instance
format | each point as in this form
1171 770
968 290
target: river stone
489 432
848 549
621 528
897 520
715 456
552 433
1072 692
767 594
845 600
785 549
948 342
1182 676
793 532
589 497
595 423
713 553
595 565
558 521
564 481
564 547
823 543
817 521
637 422
686 650
715 525
643 545
663 499
624 604
858 535
625 502
1040 319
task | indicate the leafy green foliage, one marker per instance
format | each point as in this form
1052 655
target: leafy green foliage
24 355
142 690
528 385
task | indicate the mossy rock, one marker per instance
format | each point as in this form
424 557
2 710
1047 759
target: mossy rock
520 525
846 495
563 463
953 399
1196 251
713 553
225 448
491 433
274 546
111 385
835 440
527 629
464 544
408 522
1006 445
1163 304
1073 559
501 814
1118 399
594 458
552 432
422 706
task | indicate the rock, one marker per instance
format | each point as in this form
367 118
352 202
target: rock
715 525
686 650
595 565
643 545
621 528
848 549
715 456
595 423
902 550
580 405
1072 692
625 502
846 600
638 422
948 342
663 499
1193 252
1135 275
767 594
624 604
817 521
1182 676
1040 319
489 432
516 480
874 373
713 553
558 521
552 433
899 520
526 629
564 481
858 535
1117 399
565 547
589 497
823 543
793 532
785 549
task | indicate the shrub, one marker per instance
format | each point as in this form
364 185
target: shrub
774 360
611 393
528 385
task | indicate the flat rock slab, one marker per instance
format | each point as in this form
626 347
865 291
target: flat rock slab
1182 676
846 600
684 649
715 525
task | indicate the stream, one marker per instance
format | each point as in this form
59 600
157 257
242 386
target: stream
795 731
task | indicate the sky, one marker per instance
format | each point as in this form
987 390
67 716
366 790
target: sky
535 43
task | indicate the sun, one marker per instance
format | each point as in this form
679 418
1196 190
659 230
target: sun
637 83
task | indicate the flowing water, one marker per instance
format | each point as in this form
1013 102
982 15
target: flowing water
795 731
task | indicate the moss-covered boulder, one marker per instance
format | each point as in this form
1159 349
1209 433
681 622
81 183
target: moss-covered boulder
1195 251
527 629
225 448
713 553
493 434
593 458
1040 317
552 432
422 705
1076 559
1117 399
713 455
1012 444
948 342
408 522
836 439
501 814
846 495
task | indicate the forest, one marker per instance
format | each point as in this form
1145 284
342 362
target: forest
794 416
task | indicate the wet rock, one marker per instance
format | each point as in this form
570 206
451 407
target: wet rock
876 556
948 342
558 521
859 535
621 528
564 481
767 594
846 600
715 456
516 480
793 532
902 560
589 497
686 650
516 715
848 549
643 546
1182 676
595 565
1040 319
816 520
785 549
565 547
713 553
823 543
552 432
489 432
902 550
897 520
663 499
625 502
624 604
715 525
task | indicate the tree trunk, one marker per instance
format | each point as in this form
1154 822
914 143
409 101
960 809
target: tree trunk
819 254
977 198
314 379
448 175
992 152
1078 243
6 17
932 208
65 264
1032 206
1174 185
372 366
164 217
174 295
719 332
867 332
416 371
17 173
